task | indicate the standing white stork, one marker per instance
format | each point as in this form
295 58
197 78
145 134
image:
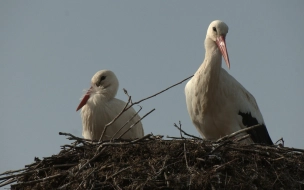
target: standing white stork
100 107
217 103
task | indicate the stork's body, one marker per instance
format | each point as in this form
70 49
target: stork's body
217 103
100 107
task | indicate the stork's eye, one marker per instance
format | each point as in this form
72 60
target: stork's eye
101 79
214 29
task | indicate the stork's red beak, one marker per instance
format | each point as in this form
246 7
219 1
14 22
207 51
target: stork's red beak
221 43
84 99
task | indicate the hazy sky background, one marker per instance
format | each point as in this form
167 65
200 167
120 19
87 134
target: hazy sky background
49 50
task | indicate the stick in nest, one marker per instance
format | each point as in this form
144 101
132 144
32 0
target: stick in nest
72 137
9 181
103 144
127 122
136 123
107 125
131 103
182 131
158 92
92 159
44 179
237 132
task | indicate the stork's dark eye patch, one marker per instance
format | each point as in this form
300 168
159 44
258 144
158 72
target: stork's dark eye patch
214 29
101 79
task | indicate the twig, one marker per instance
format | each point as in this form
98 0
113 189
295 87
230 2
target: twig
86 177
127 143
201 159
72 137
175 137
180 129
167 179
9 181
189 170
294 149
43 179
118 172
162 168
115 118
185 154
140 139
24 173
13 171
159 92
250 150
219 146
126 123
136 123
37 170
281 139
64 165
131 103
126 93
65 185
276 159
99 169
224 165
92 159
116 185
242 138
237 132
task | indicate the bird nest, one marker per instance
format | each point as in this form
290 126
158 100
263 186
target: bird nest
155 163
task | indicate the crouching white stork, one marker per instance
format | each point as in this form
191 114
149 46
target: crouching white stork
217 103
100 107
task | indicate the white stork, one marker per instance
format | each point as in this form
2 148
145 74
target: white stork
217 103
100 107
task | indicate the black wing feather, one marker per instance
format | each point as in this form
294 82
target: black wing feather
259 134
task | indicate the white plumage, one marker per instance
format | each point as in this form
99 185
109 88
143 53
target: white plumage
100 107
217 103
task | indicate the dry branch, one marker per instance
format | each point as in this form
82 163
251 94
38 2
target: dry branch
131 103
237 132
136 123
126 122
182 131
158 92
107 125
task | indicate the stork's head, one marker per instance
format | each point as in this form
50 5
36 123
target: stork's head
103 82
217 32
105 79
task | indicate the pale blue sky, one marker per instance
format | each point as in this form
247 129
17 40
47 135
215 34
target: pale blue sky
49 50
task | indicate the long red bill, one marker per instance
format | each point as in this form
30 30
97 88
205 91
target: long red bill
84 99
221 43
